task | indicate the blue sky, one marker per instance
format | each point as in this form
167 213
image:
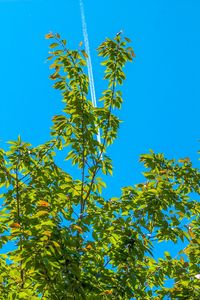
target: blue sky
161 93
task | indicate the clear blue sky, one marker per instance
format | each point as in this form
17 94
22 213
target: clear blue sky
161 93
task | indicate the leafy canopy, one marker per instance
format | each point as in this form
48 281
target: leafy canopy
68 242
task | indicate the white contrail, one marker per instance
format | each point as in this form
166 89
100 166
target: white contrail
89 63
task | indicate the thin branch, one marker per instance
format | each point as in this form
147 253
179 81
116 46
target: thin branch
106 134
18 215
39 161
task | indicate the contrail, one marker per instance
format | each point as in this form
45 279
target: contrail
89 63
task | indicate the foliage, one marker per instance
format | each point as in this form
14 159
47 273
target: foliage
68 241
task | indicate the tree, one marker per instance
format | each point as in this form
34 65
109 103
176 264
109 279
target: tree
70 242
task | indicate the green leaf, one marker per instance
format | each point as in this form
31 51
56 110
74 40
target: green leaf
84 54
22 295
41 213
53 45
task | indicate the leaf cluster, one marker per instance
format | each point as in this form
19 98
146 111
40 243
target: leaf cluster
66 240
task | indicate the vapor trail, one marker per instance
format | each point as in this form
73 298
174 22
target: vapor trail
89 62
